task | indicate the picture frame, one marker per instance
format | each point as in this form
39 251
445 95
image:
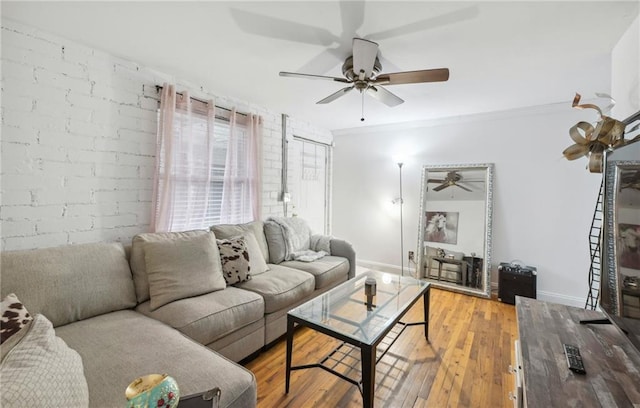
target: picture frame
441 227
629 244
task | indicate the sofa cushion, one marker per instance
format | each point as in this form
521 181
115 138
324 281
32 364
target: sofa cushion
209 317
275 241
327 270
225 231
280 287
138 266
71 282
256 258
118 347
295 232
182 268
42 371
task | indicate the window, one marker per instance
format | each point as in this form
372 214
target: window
206 168
310 183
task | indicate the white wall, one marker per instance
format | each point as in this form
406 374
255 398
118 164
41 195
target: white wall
78 141
543 204
625 70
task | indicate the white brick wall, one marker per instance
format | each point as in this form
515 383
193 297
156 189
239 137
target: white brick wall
78 142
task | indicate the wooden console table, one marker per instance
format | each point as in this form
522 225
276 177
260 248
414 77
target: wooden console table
611 361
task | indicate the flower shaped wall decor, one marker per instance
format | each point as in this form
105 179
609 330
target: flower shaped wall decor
592 141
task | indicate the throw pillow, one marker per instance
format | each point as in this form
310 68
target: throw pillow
275 240
14 317
256 260
226 231
234 257
182 268
137 261
42 371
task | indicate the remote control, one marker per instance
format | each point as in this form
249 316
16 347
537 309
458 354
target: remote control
574 359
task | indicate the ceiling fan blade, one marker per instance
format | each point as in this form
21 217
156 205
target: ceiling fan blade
352 15
364 56
435 181
413 77
441 187
463 187
311 76
335 95
453 17
325 60
272 27
384 96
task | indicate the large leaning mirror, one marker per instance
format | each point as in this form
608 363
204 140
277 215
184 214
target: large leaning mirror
454 233
621 297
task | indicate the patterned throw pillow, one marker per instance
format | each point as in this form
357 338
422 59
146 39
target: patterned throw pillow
234 257
14 317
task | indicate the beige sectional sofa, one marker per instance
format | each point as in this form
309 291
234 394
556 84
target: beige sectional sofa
94 295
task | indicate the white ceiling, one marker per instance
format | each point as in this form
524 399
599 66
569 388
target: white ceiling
501 55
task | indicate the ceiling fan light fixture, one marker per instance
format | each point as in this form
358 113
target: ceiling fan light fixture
362 70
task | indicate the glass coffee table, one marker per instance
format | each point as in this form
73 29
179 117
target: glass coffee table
342 313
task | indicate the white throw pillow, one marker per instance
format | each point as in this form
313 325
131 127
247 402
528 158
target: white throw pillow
42 371
234 257
182 268
256 259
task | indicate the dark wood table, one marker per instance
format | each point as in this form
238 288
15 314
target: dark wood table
611 361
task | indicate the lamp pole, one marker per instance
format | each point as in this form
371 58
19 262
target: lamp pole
401 229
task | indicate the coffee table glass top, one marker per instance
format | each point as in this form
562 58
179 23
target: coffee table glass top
343 309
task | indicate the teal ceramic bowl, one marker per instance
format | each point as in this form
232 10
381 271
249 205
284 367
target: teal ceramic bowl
153 391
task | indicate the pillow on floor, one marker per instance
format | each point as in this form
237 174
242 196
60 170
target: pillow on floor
42 371
182 268
234 257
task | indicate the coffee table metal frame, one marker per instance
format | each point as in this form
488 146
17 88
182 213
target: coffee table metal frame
368 348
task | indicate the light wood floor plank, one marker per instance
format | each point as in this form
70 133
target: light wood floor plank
464 365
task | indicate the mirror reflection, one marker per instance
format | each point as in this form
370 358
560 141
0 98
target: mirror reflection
455 227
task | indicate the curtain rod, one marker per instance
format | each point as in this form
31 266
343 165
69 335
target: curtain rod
159 88
312 141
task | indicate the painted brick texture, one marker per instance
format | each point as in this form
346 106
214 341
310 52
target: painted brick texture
78 142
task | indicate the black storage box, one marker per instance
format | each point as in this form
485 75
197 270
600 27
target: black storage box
514 280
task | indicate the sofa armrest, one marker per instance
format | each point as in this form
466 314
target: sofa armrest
344 249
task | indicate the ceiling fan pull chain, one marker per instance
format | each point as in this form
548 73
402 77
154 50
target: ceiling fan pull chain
362 115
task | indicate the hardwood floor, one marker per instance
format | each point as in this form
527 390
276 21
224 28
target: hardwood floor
464 365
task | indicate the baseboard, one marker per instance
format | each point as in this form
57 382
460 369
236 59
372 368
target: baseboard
562 299
542 295
383 267
552 297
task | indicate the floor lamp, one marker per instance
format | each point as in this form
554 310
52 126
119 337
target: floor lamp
401 229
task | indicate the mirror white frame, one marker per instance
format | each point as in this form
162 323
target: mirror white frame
612 235
484 289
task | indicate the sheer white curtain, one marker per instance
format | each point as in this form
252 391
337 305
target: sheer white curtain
242 192
183 162
208 169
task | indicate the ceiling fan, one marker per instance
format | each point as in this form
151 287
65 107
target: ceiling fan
452 179
361 71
